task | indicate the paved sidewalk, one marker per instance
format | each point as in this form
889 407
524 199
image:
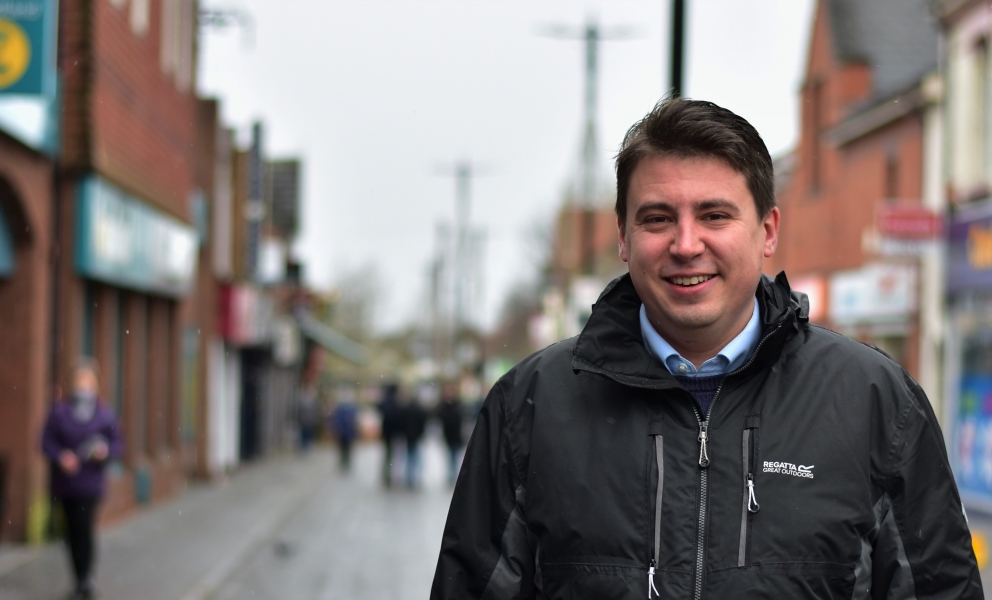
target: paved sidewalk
183 549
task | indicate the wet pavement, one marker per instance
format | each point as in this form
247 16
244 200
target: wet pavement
291 527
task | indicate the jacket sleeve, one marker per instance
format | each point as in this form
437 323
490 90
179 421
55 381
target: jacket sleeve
50 445
485 552
923 545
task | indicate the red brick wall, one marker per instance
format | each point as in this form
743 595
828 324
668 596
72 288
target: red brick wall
143 127
122 115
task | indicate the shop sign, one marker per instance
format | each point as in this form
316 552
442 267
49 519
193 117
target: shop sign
123 241
246 315
971 447
969 250
905 221
28 106
875 293
26 45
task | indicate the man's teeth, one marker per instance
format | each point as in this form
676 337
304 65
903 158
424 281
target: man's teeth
691 280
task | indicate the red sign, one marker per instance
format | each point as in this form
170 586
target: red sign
908 222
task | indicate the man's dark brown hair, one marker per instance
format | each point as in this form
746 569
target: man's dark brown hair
694 129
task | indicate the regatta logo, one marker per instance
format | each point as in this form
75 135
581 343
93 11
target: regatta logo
788 469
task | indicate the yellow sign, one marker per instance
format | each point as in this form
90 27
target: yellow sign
15 53
979 247
981 547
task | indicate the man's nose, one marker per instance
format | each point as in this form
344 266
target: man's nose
687 242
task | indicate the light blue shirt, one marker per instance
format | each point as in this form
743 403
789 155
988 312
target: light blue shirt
732 357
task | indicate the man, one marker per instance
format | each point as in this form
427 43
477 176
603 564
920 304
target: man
699 438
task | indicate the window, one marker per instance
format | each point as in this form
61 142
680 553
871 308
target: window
891 174
89 319
816 133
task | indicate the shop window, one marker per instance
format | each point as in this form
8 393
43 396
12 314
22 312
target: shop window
151 411
817 120
7 254
117 352
891 174
89 319
168 399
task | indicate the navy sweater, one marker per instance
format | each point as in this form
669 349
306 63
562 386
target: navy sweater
703 389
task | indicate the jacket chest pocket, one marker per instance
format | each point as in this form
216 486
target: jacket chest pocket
749 502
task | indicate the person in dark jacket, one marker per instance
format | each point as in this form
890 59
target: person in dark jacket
414 423
389 409
700 438
344 423
451 415
80 436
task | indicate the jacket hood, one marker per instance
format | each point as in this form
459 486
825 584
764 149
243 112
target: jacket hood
611 342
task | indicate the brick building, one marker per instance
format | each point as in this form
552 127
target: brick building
868 107
128 206
25 293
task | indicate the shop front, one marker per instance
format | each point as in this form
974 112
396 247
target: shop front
877 304
967 418
133 266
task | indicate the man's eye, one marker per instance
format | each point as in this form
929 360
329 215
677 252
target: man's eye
715 216
656 219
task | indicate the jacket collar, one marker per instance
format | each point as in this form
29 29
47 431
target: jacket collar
611 342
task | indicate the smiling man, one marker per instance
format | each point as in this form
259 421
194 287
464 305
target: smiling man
699 438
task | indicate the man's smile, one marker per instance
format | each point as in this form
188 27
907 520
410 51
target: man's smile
689 281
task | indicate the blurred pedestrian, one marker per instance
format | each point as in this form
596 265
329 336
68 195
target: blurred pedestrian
344 423
414 420
308 416
81 435
389 408
451 415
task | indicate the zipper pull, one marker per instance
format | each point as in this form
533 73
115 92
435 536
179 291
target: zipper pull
752 502
651 587
704 457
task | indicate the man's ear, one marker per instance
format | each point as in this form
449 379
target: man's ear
622 236
770 225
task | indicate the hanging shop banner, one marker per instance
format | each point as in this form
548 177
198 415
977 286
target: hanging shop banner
969 249
246 315
27 46
124 241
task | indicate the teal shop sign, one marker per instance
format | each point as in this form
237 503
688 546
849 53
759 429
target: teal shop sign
27 44
123 241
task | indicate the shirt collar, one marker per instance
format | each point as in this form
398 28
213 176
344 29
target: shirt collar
730 358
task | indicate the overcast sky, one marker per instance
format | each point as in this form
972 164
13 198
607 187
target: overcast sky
373 95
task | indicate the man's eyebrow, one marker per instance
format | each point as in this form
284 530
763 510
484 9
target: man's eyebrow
701 205
651 206
715 203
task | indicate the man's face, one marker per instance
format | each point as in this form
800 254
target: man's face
695 245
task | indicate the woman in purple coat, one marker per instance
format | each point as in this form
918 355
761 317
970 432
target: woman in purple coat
80 436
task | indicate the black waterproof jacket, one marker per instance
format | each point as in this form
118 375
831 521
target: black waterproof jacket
820 472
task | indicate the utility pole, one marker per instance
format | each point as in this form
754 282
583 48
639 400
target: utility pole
678 46
464 249
592 34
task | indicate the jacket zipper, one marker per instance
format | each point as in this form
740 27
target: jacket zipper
704 463
750 502
659 448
